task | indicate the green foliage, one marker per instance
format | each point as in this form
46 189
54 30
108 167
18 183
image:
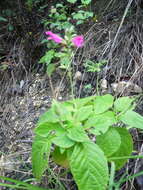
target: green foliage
19 184
132 119
62 59
2 19
89 166
71 1
125 149
103 103
122 104
92 66
81 16
60 157
58 18
84 2
61 19
109 142
69 125
40 152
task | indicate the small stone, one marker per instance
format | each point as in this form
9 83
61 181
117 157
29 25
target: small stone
104 84
128 86
78 76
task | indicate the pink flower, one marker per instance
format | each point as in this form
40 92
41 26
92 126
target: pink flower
54 37
78 41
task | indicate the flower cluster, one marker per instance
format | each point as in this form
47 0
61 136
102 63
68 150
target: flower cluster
78 41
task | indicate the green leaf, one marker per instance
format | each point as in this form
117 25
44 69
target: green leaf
101 122
46 128
103 103
80 102
48 117
89 166
63 141
88 14
78 16
50 69
61 111
123 104
47 58
125 149
77 134
65 62
60 54
79 22
40 155
60 158
69 106
83 113
71 1
10 27
86 2
132 119
2 19
109 142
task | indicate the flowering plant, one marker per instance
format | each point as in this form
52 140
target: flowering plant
86 136
78 41
53 37
67 45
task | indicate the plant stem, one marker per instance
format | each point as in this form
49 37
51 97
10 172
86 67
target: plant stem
112 174
71 82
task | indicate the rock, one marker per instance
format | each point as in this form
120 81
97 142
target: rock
78 76
127 86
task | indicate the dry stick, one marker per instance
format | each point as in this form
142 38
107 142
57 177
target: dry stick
120 26
52 88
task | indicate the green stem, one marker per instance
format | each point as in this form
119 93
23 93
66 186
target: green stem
112 174
71 83
125 157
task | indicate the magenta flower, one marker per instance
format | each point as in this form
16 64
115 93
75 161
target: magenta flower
54 37
78 41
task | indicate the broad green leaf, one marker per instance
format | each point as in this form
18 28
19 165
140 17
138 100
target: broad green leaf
80 102
46 128
40 155
79 22
61 111
88 14
125 149
2 19
63 141
88 166
65 62
122 104
60 158
49 116
103 103
78 16
77 134
86 2
50 69
10 27
109 142
72 1
47 58
83 113
100 122
132 119
69 106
